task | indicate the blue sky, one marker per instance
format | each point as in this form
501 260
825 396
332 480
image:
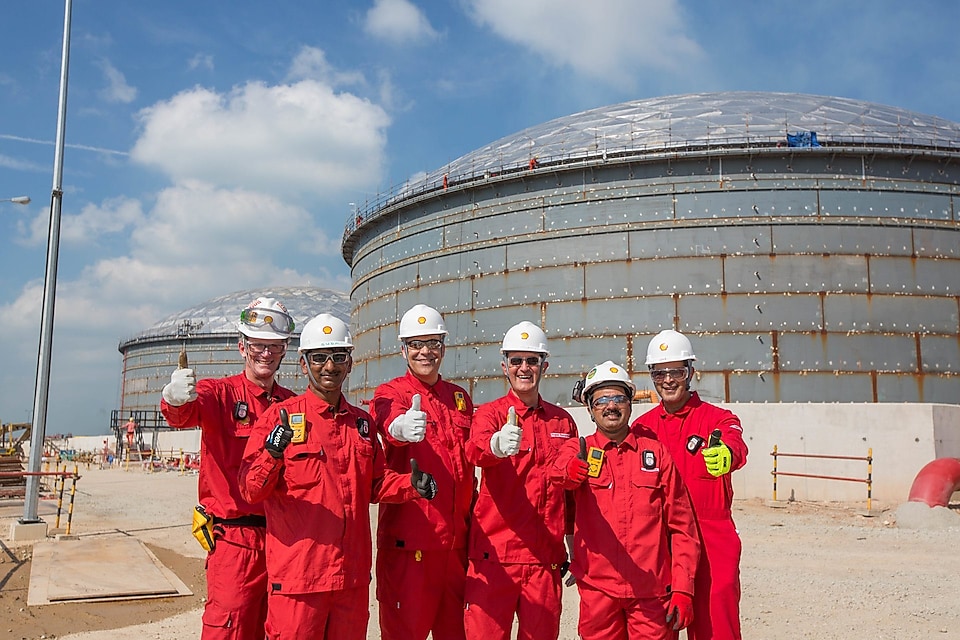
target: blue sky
213 147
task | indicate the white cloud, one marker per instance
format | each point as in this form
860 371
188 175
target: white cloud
398 22
291 139
117 89
310 63
113 216
200 61
196 242
614 40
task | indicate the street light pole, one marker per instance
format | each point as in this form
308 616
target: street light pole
17 200
41 392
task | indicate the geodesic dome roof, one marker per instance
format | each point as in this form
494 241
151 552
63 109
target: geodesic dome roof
219 315
711 118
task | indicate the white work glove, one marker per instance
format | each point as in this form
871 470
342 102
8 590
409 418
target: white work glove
410 426
506 442
181 389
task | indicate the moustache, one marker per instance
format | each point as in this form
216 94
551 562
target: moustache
615 413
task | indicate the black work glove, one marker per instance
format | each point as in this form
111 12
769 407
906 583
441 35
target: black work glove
423 482
279 437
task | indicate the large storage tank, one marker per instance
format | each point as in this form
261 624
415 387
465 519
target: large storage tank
209 333
809 245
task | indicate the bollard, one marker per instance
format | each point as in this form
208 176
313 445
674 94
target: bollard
73 493
61 482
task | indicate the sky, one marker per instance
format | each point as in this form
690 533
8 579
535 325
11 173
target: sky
212 147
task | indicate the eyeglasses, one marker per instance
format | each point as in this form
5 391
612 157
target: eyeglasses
258 349
605 400
320 358
532 361
417 345
276 320
660 375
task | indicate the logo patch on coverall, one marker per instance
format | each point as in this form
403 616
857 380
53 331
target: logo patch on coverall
649 460
241 412
363 428
460 400
693 444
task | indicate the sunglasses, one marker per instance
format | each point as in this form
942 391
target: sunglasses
532 361
417 345
659 375
320 358
605 400
276 320
257 349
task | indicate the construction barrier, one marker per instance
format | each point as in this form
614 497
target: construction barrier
868 480
60 482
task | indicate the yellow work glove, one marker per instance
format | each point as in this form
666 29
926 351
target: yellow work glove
718 459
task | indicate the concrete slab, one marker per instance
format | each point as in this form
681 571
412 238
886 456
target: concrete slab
98 569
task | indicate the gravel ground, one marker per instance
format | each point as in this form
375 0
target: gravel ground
817 571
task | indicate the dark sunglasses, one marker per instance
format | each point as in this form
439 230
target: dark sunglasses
532 361
417 345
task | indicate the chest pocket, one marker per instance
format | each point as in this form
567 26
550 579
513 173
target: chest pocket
243 429
647 498
364 450
304 465
461 429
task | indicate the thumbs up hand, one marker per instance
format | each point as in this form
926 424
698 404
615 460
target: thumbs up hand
410 426
577 468
181 389
422 481
506 442
280 436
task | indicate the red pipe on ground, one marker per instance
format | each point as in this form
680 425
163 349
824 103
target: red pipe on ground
936 482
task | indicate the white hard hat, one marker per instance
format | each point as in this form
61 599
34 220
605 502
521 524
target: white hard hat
325 332
669 346
525 336
266 318
607 373
421 320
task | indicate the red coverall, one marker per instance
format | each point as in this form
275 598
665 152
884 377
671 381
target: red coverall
716 605
516 537
421 545
236 605
635 538
317 497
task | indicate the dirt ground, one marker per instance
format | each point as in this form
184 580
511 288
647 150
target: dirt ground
816 571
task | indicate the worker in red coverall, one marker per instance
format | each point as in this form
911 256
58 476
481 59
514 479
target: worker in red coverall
635 547
684 424
422 546
517 535
225 410
316 464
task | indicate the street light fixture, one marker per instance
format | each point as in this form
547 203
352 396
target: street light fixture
17 200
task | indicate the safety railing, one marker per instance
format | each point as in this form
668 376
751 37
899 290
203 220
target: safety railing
868 480
61 482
